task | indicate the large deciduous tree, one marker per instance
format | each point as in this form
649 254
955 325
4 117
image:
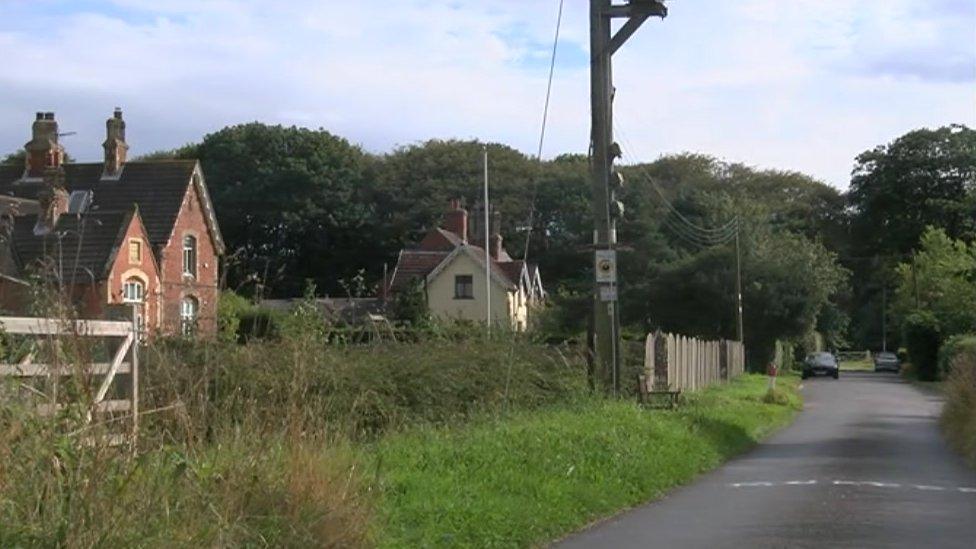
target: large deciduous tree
291 205
925 177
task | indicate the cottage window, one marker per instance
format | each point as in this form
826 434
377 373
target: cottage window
133 291
463 287
135 251
189 308
190 256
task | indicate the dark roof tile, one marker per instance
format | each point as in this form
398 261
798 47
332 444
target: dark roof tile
158 187
84 244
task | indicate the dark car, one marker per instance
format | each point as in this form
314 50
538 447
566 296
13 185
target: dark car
821 364
886 362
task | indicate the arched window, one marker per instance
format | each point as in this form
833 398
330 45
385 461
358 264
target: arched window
190 255
189 308
133 291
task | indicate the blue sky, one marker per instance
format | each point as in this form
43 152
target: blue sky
800 84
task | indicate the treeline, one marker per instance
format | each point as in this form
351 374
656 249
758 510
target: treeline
299 205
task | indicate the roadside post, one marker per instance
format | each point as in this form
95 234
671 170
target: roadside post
772 371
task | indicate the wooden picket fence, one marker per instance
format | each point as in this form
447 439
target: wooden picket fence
105 402
674 364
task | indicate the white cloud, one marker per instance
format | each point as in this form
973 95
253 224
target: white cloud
793 85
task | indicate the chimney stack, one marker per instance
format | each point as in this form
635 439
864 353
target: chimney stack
456 220
43 150
115 146
52 200
495 237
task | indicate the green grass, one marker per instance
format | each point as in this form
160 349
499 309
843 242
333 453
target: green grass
863 365
533 477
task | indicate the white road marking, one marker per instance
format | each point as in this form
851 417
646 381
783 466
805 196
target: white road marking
883 484
844 482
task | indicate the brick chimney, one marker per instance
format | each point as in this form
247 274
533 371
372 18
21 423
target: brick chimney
43 150
495 237
52 201
456 219
115 146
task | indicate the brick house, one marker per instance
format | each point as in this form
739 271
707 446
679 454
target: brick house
142 232
451 271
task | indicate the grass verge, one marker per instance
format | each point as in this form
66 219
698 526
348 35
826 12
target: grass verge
959 413
533 477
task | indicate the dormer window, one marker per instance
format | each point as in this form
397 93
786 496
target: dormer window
190 256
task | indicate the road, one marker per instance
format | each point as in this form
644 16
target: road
863 466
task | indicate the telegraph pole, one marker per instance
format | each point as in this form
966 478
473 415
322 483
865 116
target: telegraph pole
738 289
606 208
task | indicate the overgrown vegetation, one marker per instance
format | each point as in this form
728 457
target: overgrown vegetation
959 414
257 444
532 477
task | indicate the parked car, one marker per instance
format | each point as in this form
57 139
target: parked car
886 362
821 364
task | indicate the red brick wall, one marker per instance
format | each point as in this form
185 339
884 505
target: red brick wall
176 286
145 270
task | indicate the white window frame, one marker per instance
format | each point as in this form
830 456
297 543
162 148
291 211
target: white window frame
190 248
189 314
133 291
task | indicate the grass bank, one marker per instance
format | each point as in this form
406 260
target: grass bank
536 476
959 414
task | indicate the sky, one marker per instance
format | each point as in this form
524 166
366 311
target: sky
801 85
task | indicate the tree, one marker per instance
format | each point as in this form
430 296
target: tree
940 280
291 204
923 178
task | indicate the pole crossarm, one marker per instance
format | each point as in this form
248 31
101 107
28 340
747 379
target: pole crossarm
645 8
637 12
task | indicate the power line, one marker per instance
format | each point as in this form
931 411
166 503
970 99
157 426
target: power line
683 227
542 130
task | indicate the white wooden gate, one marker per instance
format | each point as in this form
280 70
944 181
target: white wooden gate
125 360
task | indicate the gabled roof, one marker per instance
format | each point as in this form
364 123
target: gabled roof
478 254
84 244
440 240
413 264
157 187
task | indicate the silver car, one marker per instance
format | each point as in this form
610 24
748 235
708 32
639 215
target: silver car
886 361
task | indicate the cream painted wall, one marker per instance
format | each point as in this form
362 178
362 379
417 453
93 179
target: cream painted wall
440 294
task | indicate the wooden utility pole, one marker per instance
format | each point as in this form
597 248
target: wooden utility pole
738 289
606 208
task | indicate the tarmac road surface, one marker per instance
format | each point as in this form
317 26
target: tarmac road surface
864 465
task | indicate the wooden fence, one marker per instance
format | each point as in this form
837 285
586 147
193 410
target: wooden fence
124 360
674 363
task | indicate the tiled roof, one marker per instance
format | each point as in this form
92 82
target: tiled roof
415 264
440 240
83 244
158 187
512 269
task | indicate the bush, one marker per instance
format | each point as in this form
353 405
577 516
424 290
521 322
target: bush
231 308
923 337
953 347
959 414
359 390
